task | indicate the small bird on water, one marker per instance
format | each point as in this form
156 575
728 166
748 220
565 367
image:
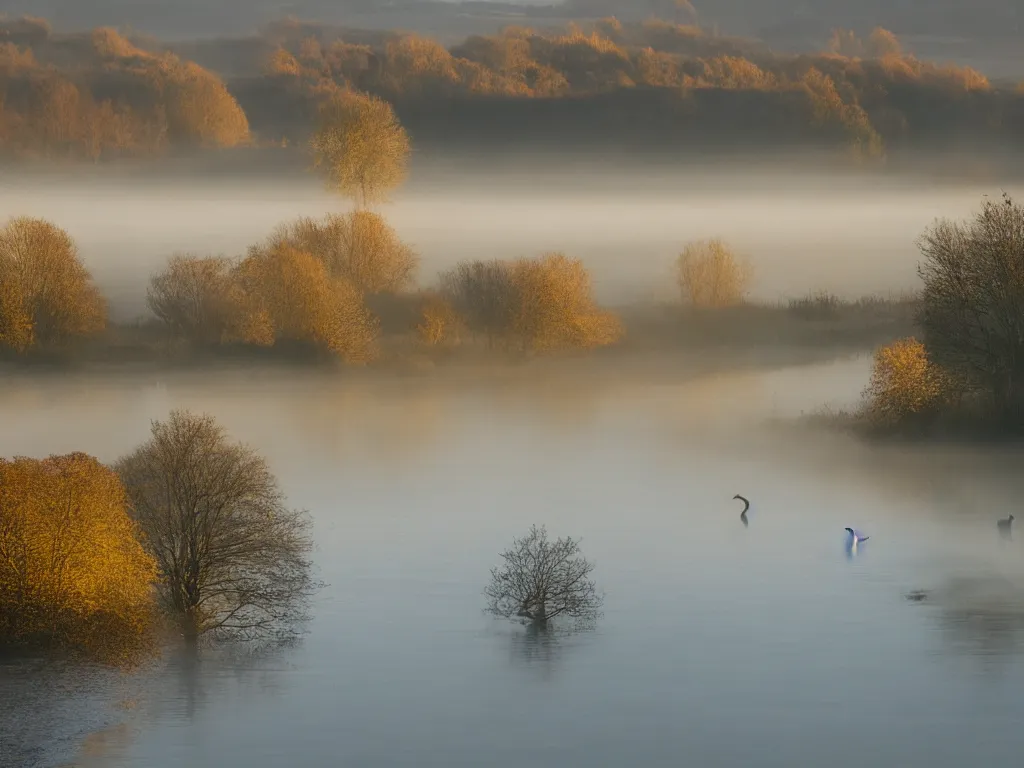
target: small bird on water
1004 525
857 538
743 514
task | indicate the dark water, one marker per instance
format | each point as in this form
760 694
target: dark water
720 646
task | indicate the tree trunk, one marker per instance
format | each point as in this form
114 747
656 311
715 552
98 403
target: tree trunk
190 628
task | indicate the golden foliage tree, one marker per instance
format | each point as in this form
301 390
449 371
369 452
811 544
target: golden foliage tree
73 573
200 109
884 43
904 384
281 62
231 554
555 308
192 297
361 146
280 293
710 274
48 296
359 246
439 324
543 303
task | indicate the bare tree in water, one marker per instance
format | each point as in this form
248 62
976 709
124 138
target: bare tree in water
542 579
232 556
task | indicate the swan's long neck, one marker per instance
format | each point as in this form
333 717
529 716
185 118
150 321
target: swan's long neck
746 505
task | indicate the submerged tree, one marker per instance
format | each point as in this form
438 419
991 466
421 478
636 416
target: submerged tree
541 579
232 556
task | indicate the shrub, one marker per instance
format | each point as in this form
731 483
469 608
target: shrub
358 246
555 309
284 294
543 303
191 297
905 386
710 274
440 324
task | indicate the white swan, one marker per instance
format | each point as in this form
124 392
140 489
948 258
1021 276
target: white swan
856 537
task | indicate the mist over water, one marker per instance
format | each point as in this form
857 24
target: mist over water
803 232
720 645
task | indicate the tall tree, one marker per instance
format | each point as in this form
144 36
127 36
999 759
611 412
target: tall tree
47 295
361 146
973 301
232 556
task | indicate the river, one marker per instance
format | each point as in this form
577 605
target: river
719 646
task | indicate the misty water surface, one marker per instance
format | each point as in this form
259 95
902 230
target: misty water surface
803 232
720 646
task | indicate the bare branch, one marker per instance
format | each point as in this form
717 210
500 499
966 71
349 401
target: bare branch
541 579
232 556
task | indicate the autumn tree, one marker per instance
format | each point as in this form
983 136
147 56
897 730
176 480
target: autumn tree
232 556
973 301
200 109
361 147
439 323
359 246
905 385
710 274
540 580
192 297
554 307
280 293
47 295
884 43
73 574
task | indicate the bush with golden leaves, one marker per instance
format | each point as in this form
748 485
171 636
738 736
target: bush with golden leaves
440 324
73 573
543 304
48 296
361 146
280 293
555 308
192 297
905 385
359 246
710 274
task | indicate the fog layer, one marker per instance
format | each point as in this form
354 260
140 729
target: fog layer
850 236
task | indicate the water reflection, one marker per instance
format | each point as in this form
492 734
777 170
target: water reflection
47 708
536 646
981 616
